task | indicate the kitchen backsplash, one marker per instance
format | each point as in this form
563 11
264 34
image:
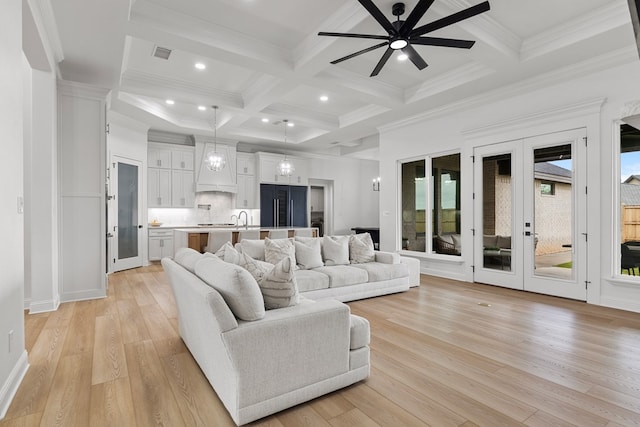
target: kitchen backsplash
222 207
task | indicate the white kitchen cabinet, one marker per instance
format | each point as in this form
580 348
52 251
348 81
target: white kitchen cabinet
301 173
247 197
158 156
246 163
160 244
268 163
158 188
182 189
182 159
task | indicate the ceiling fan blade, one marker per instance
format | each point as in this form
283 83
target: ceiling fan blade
416 14
378 15
451 19
438 41
383 60
360 52
415 57
355 36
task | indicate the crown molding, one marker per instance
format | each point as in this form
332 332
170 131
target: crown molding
170 137
151 83
565 112
46 23
630 109
66 87
606 18
609 60
448 80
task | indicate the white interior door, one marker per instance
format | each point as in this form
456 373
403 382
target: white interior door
125 214
530 214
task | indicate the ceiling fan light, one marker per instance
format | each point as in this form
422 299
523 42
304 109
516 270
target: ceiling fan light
215 161
398 44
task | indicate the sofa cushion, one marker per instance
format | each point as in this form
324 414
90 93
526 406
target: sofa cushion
359 332
308 254
361 248
255 267
187 258
343 275
335 250
309 280
279 287
236 285
378 271
228 253
275 250
254 248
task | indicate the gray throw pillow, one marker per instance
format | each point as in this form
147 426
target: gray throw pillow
253 248
229 254
275 250
308 254
335 250
279 287
361 248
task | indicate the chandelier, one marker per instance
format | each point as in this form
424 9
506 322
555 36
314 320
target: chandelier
285 167
213 160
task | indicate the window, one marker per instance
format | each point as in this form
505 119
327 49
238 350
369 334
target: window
629 254
547 188
435 201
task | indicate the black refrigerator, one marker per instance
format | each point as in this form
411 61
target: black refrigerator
283 205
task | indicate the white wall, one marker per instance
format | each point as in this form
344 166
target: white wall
440 133
354 201
13 358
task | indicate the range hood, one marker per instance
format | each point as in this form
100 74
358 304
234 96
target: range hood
222 181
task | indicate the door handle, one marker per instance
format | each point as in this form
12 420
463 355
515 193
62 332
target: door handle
527 233
291 213
140 226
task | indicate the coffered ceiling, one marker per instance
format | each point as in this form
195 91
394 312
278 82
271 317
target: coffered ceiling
264 60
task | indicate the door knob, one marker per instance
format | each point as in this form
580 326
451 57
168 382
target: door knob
139 226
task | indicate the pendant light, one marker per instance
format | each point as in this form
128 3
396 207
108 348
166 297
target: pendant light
215 161
285 167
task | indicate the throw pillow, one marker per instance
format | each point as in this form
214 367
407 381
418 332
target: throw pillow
229 254
275 250
361 248
255 267
253 248
187 258
335 250
236 285
279 287
308 254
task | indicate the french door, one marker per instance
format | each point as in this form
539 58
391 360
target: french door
125 215
530 214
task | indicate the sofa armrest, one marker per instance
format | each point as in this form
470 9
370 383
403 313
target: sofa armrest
288 349
387 257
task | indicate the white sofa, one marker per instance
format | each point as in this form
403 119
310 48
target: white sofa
387 273
289 356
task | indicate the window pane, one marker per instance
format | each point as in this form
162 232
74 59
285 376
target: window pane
497 208
414 196
445 173
630 201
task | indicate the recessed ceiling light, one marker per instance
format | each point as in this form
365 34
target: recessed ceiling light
324 98
170 101
202 108
290 124
265 120
402 57
200 66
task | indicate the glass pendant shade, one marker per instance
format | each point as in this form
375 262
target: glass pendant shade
285 167
213 160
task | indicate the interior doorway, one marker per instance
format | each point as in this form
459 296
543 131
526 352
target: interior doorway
321 206
125 229
530 215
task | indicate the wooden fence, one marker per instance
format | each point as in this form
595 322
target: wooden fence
630 223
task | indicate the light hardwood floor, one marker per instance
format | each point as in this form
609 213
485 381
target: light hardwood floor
440 356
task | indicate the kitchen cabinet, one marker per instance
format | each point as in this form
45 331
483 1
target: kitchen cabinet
283 206
182 189
182 159
160 244
158 188
159 156
223 180
268 164
247 183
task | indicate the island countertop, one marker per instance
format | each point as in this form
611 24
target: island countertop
198 237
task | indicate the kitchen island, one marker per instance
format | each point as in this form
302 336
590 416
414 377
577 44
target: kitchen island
198 237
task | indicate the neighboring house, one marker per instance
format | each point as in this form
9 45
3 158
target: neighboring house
630 209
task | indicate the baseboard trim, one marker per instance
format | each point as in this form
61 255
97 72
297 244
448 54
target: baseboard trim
83 295
43 306
10 387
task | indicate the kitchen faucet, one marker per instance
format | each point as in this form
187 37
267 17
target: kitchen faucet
246 219
234 216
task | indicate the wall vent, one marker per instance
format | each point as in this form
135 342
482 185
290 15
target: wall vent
161 52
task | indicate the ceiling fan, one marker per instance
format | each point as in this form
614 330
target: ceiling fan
403 34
